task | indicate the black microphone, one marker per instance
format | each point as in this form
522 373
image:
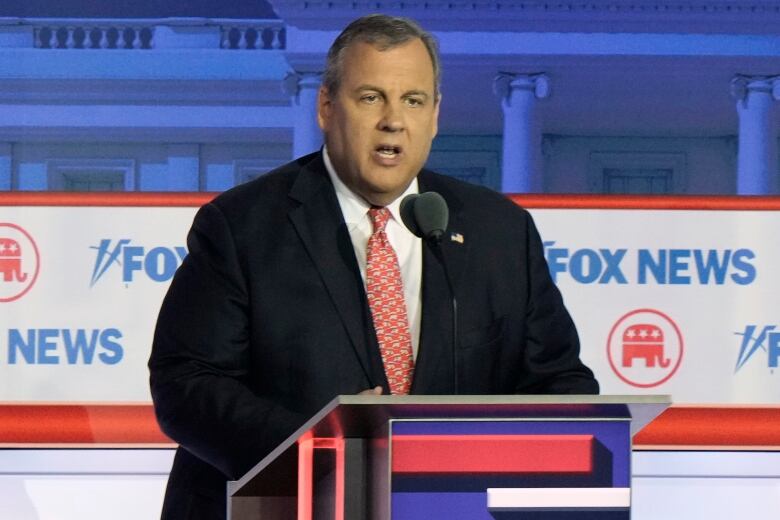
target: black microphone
426 215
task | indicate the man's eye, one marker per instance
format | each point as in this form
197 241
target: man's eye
414 102
370 98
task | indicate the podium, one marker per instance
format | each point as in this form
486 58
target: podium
453 458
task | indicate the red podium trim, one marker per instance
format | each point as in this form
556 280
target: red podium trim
503 454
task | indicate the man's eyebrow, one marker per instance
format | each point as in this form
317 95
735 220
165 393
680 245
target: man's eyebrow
366 86
374 88
422 93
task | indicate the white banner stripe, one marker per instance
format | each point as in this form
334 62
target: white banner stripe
557 499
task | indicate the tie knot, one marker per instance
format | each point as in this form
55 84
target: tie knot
379 218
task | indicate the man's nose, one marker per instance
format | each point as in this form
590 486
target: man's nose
392 118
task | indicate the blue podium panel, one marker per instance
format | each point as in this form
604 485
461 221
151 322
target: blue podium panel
444 468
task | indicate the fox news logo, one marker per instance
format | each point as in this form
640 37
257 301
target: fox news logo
64 346
651 266
157 263
764 339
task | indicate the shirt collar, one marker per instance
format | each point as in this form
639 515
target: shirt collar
353 206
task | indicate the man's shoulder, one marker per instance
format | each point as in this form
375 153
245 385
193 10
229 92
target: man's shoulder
267 193
470 198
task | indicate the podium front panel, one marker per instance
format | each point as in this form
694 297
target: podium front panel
452 458
446 468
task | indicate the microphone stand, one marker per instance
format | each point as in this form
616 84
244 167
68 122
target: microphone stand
435 239
429 221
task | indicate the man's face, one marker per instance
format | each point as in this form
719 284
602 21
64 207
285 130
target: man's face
380 123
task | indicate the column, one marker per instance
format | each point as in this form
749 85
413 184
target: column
522 165
303 88
757 149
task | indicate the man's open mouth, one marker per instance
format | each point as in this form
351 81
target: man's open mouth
388 150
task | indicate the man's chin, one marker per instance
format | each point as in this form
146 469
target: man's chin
380 199
383 195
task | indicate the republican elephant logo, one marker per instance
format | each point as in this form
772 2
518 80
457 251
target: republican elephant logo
19 262
644 341
645 348
11 261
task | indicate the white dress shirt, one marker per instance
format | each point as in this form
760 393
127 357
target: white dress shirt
408 248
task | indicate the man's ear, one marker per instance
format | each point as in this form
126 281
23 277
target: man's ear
324 108
436 116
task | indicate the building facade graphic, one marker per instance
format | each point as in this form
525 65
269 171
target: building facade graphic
673 97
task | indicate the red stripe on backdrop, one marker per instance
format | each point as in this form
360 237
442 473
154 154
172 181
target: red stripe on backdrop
721 203
130 199
737 428
79 424
679 427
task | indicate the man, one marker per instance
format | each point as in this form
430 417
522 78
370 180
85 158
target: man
282 303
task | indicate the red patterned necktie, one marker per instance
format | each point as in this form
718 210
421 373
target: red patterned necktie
388 308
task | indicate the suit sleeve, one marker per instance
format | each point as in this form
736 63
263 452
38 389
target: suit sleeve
201 357
552 349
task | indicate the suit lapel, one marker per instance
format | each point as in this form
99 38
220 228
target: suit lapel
434 367
320 225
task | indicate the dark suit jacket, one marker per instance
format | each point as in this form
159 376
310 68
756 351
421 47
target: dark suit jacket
267 320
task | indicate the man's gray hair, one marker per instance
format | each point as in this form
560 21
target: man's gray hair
383 32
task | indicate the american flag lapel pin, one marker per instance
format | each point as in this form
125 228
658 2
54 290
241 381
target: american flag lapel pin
456 237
